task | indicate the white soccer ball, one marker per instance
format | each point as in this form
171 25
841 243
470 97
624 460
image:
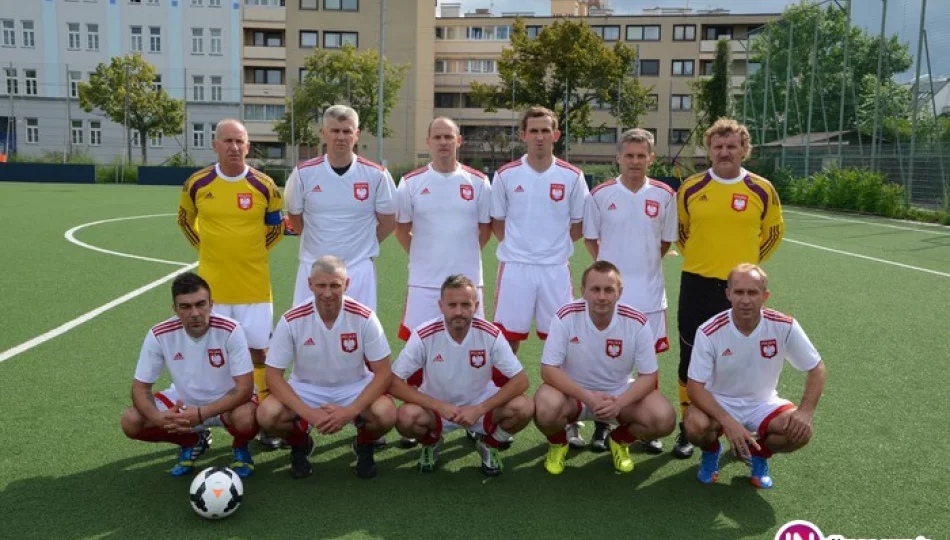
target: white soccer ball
216 492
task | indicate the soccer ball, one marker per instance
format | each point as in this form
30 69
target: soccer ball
216 492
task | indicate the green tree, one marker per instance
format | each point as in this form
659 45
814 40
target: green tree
346 76
832 27
714 95
567 63
151 111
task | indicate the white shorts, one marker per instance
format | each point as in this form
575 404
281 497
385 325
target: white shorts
257 320
756 415
480 426
362 283
530 291
422 304
166 399
584 412
657 320
315 396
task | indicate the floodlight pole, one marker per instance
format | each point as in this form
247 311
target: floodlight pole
877 87
915 111
788 91
844 82
811 92
379 93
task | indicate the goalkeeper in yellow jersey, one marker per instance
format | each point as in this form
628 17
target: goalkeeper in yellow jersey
727 216
238 212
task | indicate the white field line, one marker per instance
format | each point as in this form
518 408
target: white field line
88 316
869 258
942 232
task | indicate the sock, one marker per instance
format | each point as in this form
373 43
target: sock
622 435
363 436
496 437
298 435
160 435
240 438
558 438
260 382
712 447
684 399
429 439
763 453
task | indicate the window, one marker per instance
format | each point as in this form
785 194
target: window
76 131
137 39
216 94
754 68
197 3
684 32
717 32
268 39
214 131
74 78
95 133
92 37
12 81
335 40
215 41
479 66
439 32
198 88
157 83
136 142
643 32
155 141
267 76
214 3
263 112
679 136
681 102
308 39
197 41
32 130
653 102
198 135
302 74
480 32
308 4
607 33
649 68
139 2
503 33
155 39
705 67
440 66
29 76
152 2
683 68
533 31
605 137
341 5
446 100
74 41
29 38
9 32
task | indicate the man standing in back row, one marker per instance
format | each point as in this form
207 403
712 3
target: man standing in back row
727 216
341 204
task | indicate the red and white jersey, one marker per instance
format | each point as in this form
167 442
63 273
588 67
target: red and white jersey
748 367
202 369
339 212
456 373
600 360
324 356
445 210
630 227
538 209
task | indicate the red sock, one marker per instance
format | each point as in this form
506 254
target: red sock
558 438
712 447
160 435
240 438
298 435
429 438
621 434
365 437
763 453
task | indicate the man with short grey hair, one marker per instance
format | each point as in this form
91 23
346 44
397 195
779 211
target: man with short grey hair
341 204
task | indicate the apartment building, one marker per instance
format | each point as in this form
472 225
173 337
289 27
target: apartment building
264 48
49 47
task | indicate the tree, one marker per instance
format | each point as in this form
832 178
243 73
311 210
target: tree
567 63
151 110
714 95
832 27
347 76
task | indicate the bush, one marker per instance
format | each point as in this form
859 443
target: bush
109 174
891 203
842 192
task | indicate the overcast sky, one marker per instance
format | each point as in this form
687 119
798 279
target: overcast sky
903 17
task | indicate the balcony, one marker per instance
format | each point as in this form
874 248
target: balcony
265 14
265 90
261 130
707 48
265 53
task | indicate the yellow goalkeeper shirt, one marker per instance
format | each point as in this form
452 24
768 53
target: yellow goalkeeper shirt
726 222
233 222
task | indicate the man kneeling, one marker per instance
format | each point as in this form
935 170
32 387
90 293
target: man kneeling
592 350
456 354
212 381
341 369
738 356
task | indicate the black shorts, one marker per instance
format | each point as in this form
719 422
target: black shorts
700 299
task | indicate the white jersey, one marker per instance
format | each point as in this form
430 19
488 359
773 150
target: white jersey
733 365
339 212
600 360
538 209
328 357
456 373
445 210
202 369
630 227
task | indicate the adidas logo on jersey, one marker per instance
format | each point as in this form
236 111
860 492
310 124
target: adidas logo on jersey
179 356
519 189
209 195
575 340
425 191
309 341
727 352
438 358
612 206
317 189
704 197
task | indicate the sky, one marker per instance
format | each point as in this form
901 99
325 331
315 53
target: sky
903 18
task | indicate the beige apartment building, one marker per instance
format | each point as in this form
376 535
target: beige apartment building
447 53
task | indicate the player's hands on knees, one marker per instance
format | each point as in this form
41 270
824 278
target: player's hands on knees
608 409
467 415
596 401
336 418
740 439
448 411
798 428
315 417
